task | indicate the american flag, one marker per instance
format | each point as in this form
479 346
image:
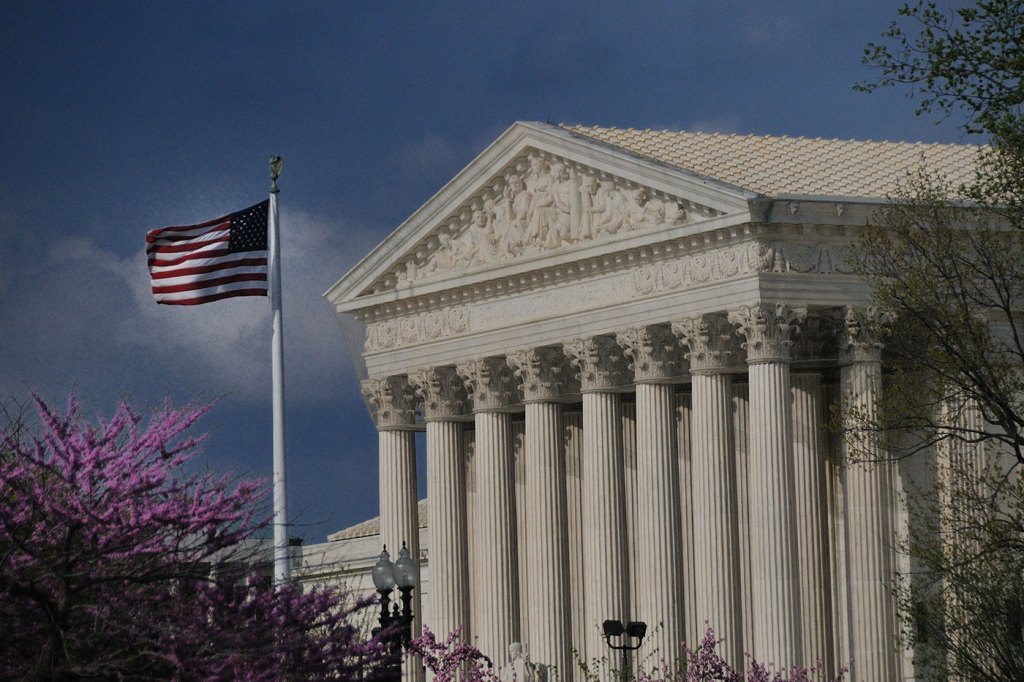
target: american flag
220 258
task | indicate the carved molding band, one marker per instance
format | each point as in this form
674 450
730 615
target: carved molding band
740 259
406 331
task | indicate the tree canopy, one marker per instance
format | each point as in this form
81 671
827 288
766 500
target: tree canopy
113 558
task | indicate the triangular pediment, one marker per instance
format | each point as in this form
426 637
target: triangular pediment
538 195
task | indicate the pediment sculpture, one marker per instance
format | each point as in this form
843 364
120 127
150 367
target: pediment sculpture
542 203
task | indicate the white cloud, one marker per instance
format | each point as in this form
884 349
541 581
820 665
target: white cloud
79 315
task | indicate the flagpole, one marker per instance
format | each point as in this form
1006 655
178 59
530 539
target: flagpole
281 567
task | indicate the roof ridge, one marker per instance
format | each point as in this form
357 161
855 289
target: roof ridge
581 128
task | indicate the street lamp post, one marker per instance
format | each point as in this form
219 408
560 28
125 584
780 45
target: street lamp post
632 630
394 623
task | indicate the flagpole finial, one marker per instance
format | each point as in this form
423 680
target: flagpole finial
276 162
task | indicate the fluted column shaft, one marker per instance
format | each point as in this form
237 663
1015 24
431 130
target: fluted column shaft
867 488
659 535
773 546
715 529
604 507
547 551
394 414
398 518
771 494
446 495
811 518
496 618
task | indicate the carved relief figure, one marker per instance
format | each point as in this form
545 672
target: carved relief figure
545 205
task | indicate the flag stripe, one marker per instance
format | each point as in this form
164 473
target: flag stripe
194 299
221 258
187 245
216 266
190 283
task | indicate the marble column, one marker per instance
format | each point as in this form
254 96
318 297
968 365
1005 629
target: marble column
543 374
867 487
495 608
741 455
658 556
444 402
394 406
602 370
811 518
692 625
713 482
776 590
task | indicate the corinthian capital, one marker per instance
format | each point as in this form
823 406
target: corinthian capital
490 382
860 336
710 340
653 353
600 361
441 391
544 373
767 329
393 401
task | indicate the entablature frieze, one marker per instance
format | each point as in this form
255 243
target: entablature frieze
613 279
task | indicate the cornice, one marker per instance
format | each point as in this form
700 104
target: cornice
770 248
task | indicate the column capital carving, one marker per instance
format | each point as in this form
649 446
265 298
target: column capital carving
652 352
544 373
860 334
490 383
441 392
393 401
600 361
818 336
767 329
710 340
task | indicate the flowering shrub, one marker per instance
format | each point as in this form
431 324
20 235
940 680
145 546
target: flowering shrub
106 548
454 657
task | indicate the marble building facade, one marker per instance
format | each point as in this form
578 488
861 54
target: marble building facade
624 347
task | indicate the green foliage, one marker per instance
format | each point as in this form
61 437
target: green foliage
964 603
948 262
969 61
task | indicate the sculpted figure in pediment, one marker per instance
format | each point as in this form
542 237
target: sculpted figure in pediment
548 204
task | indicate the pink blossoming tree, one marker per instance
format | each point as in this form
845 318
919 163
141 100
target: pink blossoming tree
106 549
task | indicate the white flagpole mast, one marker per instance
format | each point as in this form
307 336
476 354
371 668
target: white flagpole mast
281 567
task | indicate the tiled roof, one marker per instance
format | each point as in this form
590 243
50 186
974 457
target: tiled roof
794 165
371 527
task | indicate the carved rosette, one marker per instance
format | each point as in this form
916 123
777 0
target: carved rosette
767 329
393 401
441 392
859 338
544 373
653 353
490 382
710 340
601 363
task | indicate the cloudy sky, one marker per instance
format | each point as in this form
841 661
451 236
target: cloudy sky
117 117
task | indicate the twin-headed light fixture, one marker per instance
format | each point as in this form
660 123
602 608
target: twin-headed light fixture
403 573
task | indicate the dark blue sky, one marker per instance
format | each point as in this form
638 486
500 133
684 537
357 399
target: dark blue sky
116 117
